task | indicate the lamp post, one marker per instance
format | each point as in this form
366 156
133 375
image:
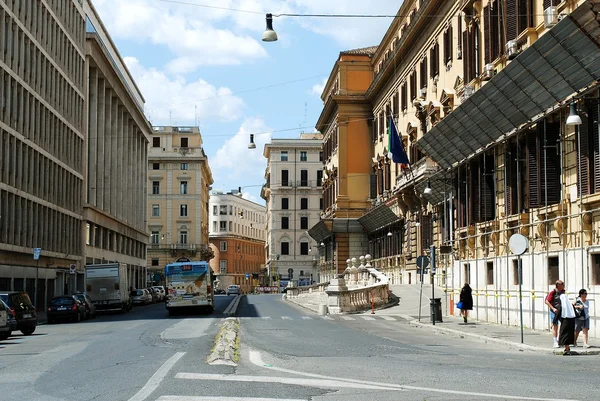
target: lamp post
575 120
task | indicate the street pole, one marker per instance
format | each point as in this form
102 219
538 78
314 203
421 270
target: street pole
432 256
35 287
520 294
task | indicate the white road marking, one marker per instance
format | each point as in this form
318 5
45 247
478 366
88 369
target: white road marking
256 359
246 318
348 318
266 317
187 328
319 383
286 318
306 317
327 318
195 398
387 318
156 378
368 318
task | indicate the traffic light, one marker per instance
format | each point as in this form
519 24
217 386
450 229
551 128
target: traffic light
255 276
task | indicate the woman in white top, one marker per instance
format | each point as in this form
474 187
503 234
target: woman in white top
566 336
582 323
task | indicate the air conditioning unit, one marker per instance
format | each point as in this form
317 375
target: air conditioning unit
488 72
550 17
512 49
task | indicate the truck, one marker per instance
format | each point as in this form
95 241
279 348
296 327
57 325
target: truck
189 286
108 286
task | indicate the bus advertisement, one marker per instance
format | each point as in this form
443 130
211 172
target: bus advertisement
189 285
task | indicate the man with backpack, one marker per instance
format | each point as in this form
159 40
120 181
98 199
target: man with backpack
553 302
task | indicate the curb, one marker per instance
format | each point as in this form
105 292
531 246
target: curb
231 309
227 344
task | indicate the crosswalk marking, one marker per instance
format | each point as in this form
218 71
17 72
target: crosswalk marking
347 318
286 318
388 318
327 318
306 317
368 318
266 317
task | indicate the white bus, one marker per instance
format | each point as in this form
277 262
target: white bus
189 285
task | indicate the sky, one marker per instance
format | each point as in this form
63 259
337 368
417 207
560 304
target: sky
202 62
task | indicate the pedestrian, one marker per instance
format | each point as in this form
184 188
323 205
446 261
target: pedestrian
582 323
566 335
466 301
553 302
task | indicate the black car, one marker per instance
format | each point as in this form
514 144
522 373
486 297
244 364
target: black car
90 308
66 307
22 309
4 324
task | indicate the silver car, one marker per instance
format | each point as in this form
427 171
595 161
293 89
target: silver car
140 297
233 289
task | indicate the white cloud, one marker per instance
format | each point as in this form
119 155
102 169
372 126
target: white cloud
176 101
189 32
317 89
234 163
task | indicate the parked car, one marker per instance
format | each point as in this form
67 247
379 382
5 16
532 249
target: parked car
140 297
219 291
4 324
153 294
90 308
22 309
160 291
66 307
233 289
12 321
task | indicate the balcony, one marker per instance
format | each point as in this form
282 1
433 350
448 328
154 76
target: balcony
423 168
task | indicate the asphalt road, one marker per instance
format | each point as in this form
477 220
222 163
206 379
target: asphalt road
287 353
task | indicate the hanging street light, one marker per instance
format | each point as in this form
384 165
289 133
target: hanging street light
427 190
269 35
573 118
251 145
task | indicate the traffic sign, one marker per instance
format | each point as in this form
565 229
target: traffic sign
72 268
247 276
36 253
422 261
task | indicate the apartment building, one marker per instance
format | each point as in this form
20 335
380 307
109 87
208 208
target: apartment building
293 193
345 122
116 152
179 183
237 238
497 105
42 145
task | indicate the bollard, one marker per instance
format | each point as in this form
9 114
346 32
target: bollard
372 304
322 309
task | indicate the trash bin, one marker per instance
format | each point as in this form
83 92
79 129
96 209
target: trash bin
436 309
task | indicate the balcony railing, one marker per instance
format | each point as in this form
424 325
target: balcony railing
422 168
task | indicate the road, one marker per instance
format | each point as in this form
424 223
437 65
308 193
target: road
287 353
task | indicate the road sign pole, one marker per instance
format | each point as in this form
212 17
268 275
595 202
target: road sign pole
520 294
432 270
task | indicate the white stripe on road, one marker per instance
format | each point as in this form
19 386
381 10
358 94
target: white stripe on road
368 318
266 317
387 318
286 318
195 398
155 380
328 318
306 317
319 383
347 318
256 359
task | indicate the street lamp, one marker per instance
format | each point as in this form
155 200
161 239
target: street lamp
427 190
269 35
573 118
252 145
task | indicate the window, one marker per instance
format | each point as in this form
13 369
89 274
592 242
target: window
183 210
304 223
223 210
303 203
155 166
214 226
156 142
303 178
154 237
320 203
284 155
214 210
223 247
285 223
184 142
183 187
285 248
154 261
588 151
303 156
434 60
303 250
223 266
183 237
222 226
553 270
285 181
319 178
230 210
184 166
448 45
467 273
155 210
285 203
321 156
155 187
490 273
595 279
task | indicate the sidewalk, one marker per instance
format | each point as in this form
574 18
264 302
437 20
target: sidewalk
533 340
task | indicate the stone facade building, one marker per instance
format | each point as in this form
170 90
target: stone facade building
179 181
237 238
293 193
114 207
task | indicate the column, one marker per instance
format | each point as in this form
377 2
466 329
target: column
115 156
122 155
101 141
125 203
92 136
107 147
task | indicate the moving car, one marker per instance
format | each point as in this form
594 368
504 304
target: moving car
90 308
233 289
12 321
22 309
4 325
160 291
140 297
66 307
